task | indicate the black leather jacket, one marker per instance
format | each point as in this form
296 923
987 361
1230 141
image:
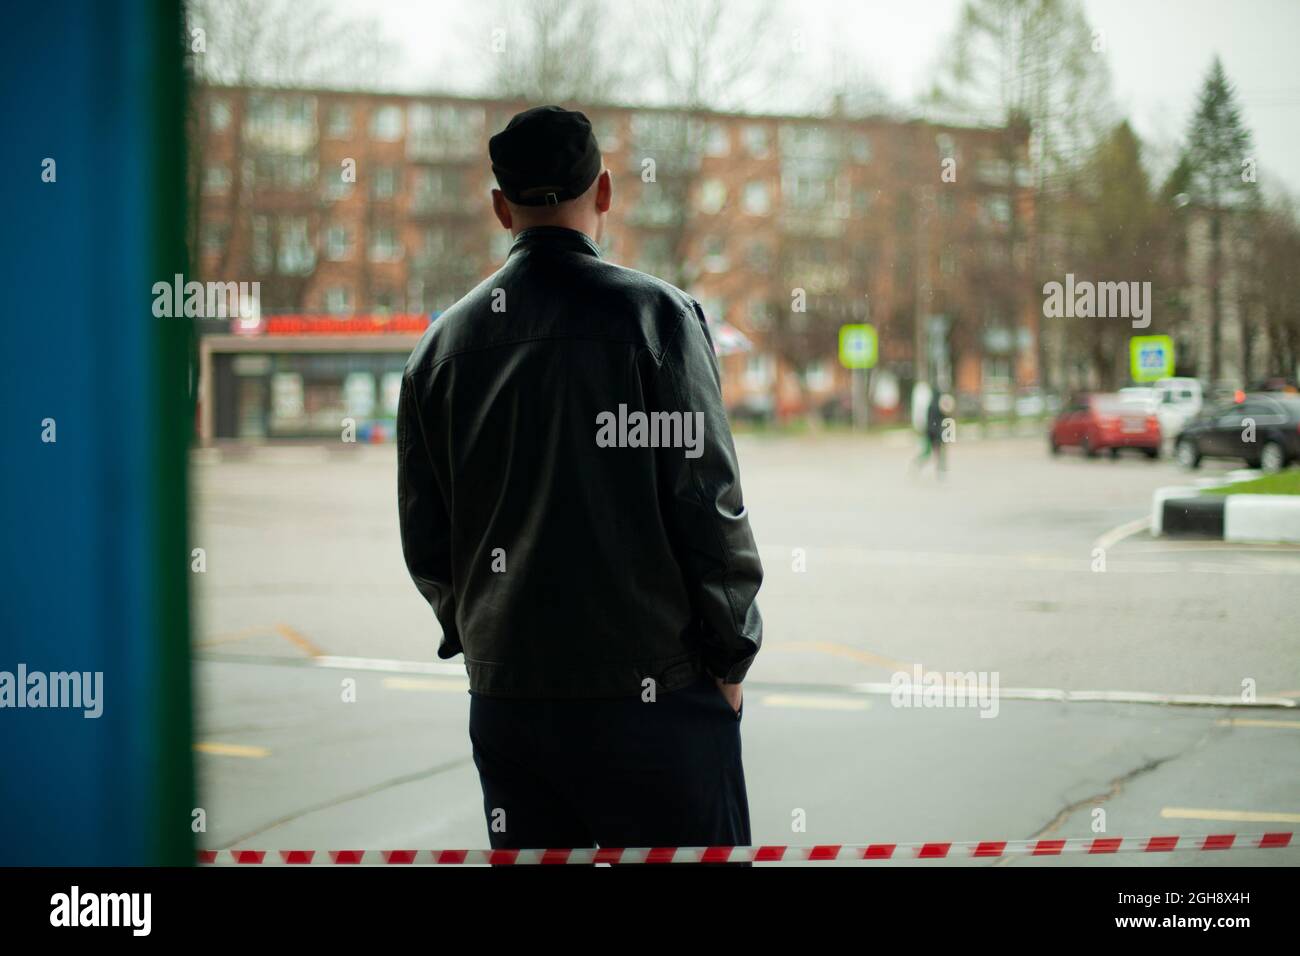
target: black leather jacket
559 565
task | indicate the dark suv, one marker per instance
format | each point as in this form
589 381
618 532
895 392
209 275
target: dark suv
1263 429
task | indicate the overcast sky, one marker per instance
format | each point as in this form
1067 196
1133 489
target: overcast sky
1158 51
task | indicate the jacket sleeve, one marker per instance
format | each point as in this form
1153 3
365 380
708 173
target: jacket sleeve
424 518
703 507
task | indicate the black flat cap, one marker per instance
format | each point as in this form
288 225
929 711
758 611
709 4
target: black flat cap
545 156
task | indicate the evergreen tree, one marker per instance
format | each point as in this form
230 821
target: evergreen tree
1218 160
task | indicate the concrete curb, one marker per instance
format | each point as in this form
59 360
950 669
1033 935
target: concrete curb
1182 511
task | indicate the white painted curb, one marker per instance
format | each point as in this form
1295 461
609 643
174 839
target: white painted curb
1262 518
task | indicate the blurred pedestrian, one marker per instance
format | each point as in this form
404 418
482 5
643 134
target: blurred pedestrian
932 430
599 581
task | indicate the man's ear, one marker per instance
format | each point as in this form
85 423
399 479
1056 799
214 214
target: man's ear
604 191
501 208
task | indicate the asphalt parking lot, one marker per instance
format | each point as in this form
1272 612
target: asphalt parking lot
872 570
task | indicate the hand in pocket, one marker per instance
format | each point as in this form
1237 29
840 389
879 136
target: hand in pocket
731 693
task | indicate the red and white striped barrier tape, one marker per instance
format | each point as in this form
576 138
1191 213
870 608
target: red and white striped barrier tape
769 854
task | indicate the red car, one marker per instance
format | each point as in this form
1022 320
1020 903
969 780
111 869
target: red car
1096 422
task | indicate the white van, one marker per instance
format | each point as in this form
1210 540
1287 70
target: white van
1174 401
1180 401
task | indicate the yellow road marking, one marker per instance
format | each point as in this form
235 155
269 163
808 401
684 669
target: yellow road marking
811 702
298 641
839 650
232 750
1235 816
425 683
296 638
1247 722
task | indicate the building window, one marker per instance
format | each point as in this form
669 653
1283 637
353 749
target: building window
996 209
862 200
819 377
261 253
758 370
605 129
415 295
438 189
384 246
717 140
655 207
336 187
219 114
338 300
757 141
284 171
759 257
280 123
715 254
384 183
386 124
444 131
297 257
713 196
806 190
994 170
338 124
337 243
216 180
860 147
802 141
214 238
758 198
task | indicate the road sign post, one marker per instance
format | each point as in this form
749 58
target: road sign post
858 351
1151 357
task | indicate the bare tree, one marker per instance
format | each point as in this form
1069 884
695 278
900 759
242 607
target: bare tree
1037 63
278 44
551 51
283 43
699 56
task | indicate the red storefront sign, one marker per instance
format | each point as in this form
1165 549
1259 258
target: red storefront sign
402 324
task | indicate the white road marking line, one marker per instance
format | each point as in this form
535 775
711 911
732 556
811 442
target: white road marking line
1108 696
1115 535
232 750
873 688
947 560
811 702
1247 722
426 683
1233 816
389 664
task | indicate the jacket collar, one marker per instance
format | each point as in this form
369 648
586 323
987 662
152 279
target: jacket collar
556 236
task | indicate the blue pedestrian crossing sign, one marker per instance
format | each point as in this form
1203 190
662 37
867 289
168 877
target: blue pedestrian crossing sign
1151 357
858 346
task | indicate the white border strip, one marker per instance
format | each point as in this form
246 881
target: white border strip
393 666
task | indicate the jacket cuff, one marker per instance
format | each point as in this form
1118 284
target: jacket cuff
726 667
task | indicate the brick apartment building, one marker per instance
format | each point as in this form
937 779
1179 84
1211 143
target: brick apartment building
367 206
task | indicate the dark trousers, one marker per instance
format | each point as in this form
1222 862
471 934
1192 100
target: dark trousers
614 773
